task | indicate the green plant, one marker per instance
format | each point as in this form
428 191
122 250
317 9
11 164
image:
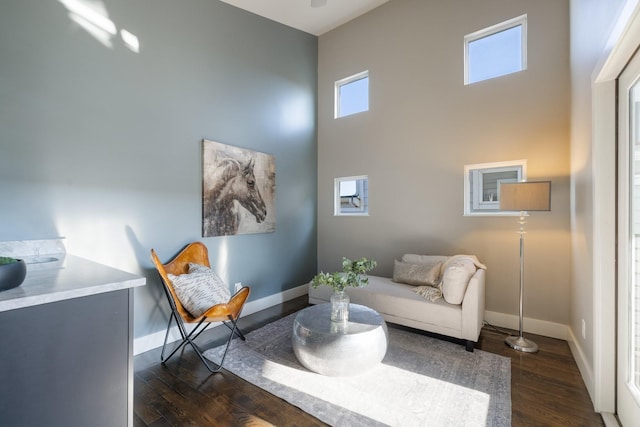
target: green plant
354 273
7 260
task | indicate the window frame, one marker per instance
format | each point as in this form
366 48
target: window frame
337 198
473 186
343 82
518 21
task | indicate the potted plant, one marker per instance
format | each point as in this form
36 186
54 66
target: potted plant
12 272
354 274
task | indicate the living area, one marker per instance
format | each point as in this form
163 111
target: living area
102 144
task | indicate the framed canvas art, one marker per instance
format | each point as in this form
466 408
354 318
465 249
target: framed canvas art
238 190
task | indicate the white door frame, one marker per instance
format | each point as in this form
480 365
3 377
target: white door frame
627 408
604 210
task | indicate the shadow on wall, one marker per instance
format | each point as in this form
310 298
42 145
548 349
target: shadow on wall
151 300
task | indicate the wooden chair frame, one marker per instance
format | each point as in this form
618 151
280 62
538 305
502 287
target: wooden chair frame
227 313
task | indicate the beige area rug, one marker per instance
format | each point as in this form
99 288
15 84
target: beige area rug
422 381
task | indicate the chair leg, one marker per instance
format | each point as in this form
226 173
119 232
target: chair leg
186 338
189 339
166 336
234 331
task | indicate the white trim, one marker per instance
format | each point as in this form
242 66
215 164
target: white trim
609 419
581 360
603 156
155 340
532 326
621 45
619 50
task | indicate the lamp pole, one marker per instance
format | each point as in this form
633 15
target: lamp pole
519 342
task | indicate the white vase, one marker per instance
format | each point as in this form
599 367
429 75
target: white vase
339 306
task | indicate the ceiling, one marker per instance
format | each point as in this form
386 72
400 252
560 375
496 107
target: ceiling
299 13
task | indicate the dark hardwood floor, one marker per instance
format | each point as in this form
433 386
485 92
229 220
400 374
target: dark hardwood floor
546 387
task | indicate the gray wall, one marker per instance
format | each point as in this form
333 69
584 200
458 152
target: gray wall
592 23
102 145
424 125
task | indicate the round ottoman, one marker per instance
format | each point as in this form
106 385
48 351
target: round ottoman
339 349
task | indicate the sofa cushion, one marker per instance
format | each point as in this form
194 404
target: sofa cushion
455 279
200 289
417 274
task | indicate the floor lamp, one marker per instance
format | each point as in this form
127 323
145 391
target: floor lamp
524 197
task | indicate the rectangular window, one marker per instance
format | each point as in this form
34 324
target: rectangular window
496 51
482 185
351 195
352 95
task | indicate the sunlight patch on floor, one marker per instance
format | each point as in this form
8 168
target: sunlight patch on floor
412 396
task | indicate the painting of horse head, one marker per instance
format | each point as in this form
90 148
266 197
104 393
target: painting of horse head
238 191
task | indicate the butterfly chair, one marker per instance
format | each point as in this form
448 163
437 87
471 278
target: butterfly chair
227 313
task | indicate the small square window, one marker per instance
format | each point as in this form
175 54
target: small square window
496 51
352 95
351 196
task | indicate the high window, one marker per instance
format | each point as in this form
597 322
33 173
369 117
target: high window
352 95
496 51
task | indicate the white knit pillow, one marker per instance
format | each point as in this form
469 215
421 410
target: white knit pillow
200 289
455 279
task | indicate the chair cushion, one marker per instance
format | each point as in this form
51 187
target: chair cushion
417 274
200 289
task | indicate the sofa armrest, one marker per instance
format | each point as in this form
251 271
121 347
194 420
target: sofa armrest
473 306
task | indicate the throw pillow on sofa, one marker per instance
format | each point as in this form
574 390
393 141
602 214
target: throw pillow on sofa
424 259
200 289
416 274
455 279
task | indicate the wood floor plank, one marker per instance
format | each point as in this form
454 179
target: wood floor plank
546 387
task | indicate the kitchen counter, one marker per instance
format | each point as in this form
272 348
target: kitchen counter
68 277
70 358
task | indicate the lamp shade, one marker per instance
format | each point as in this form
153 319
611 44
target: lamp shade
525 196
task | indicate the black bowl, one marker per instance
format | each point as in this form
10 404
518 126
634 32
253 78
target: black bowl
12 275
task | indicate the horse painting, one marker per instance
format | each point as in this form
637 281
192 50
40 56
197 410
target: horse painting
232 200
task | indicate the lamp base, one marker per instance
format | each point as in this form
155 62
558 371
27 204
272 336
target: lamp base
521 344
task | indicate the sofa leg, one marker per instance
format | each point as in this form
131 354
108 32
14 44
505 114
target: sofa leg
469 346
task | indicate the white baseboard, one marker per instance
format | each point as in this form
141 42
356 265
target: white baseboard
609 419
583 365
532 326
155 340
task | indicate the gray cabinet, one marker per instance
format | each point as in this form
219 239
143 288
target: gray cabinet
68 363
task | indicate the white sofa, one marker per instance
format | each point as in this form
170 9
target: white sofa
399 303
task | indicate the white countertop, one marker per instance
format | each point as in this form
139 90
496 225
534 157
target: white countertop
71 277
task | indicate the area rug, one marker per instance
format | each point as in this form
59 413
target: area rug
422 381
